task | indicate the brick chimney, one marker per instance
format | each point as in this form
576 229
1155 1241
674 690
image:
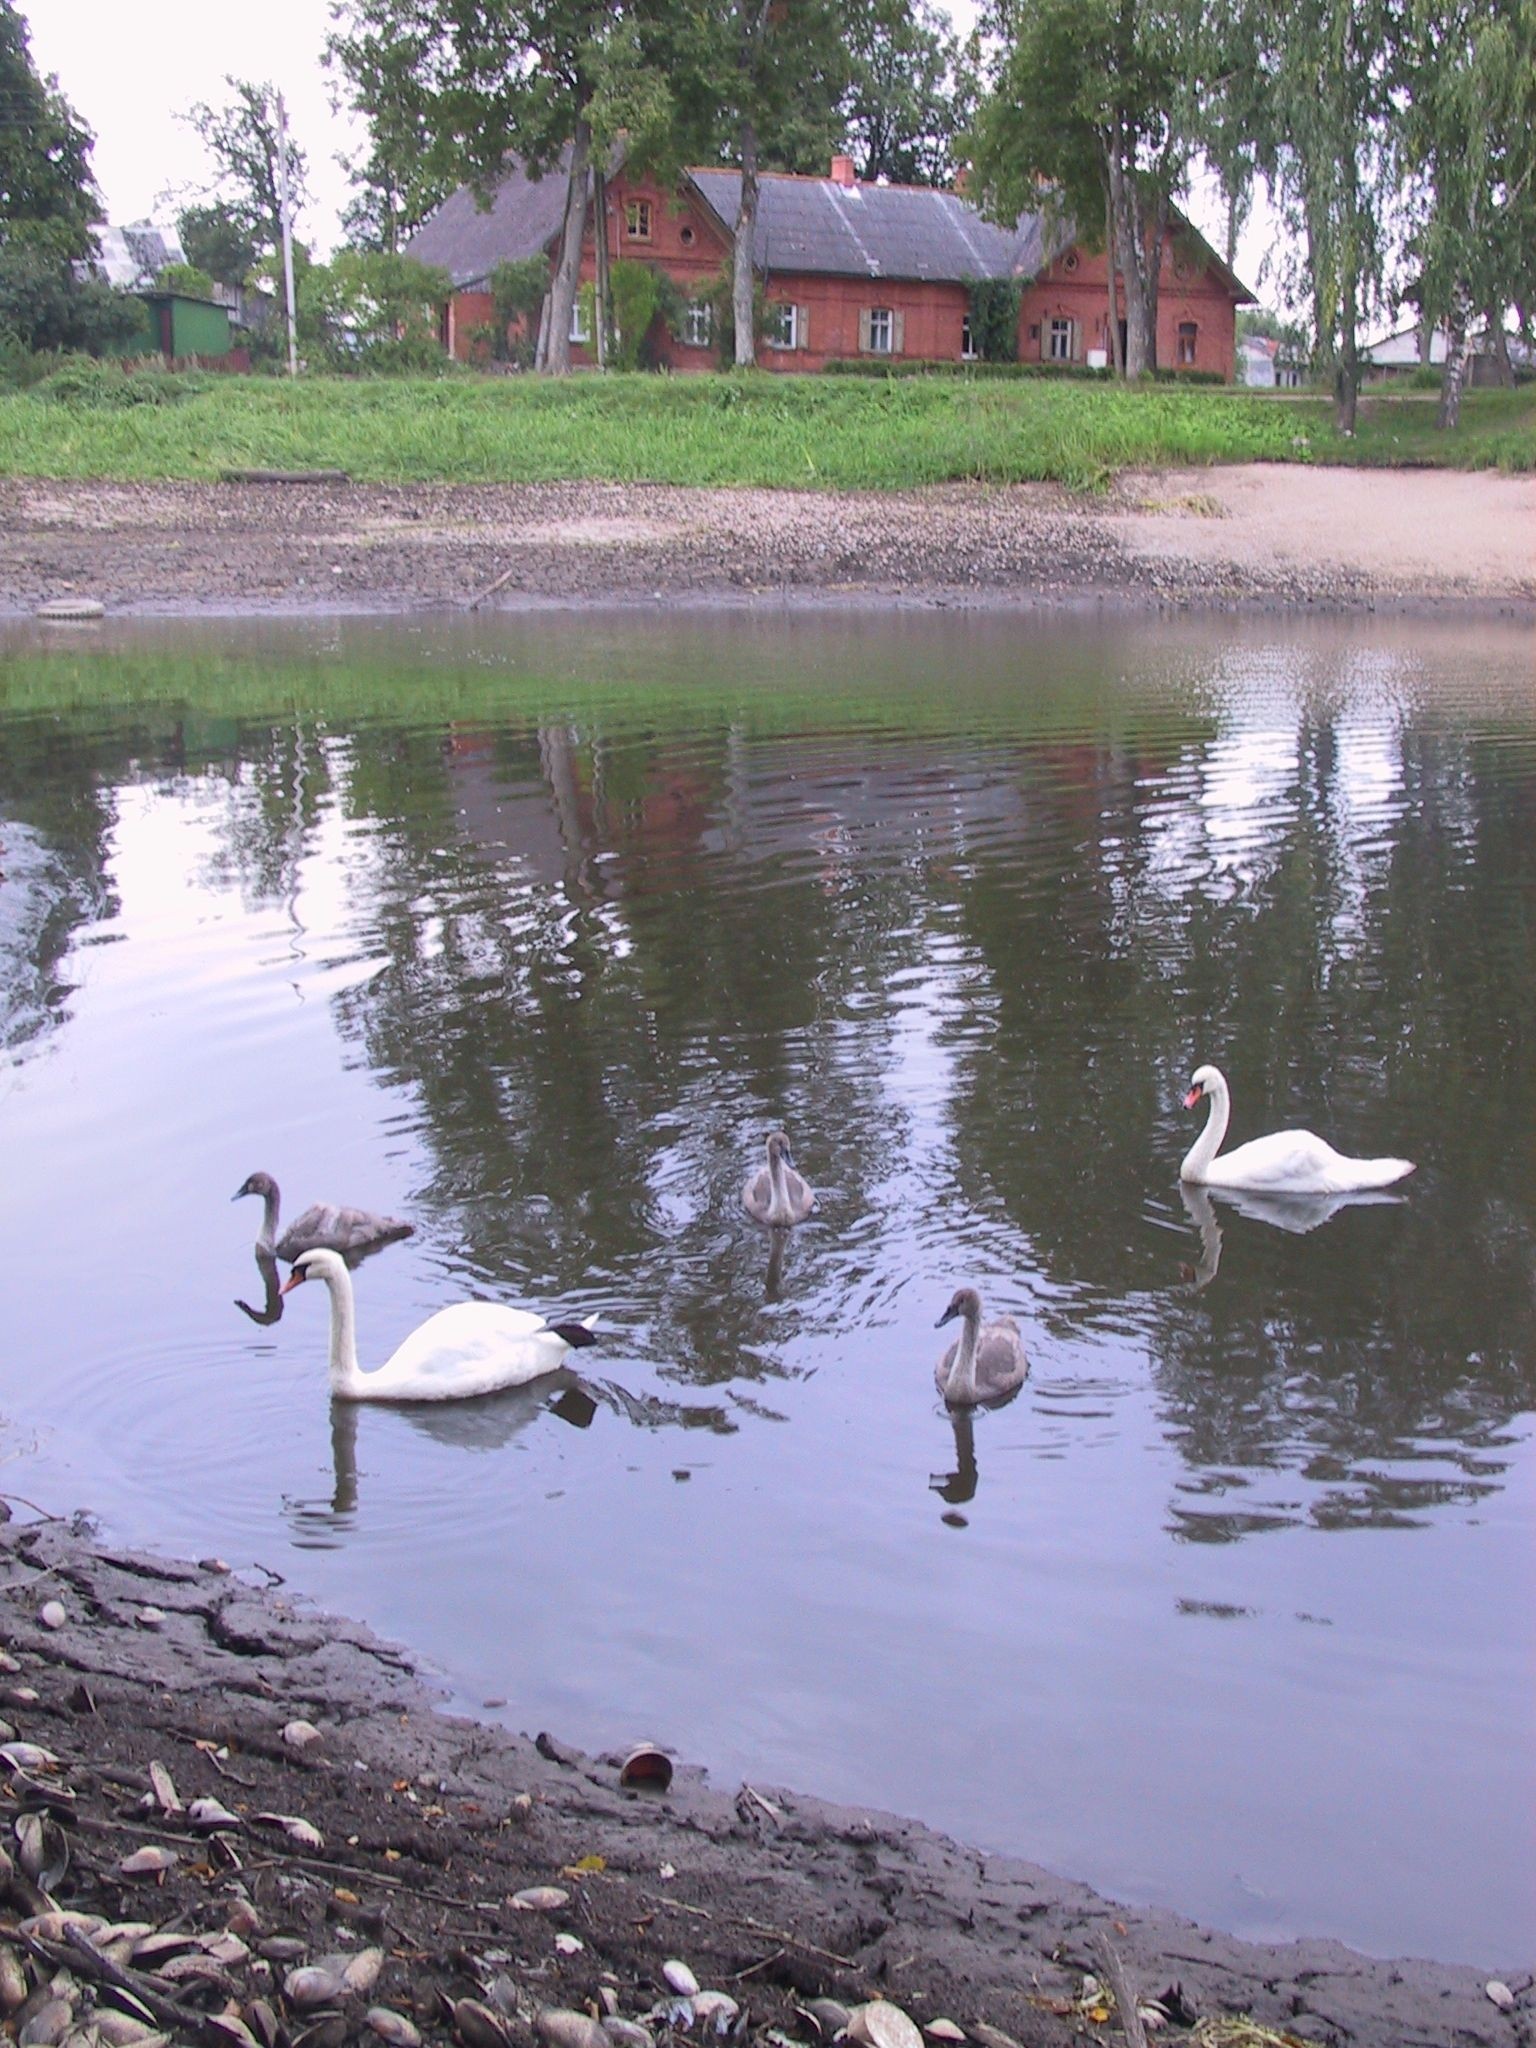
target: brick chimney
842 171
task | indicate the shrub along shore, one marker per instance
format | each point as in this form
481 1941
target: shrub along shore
91 420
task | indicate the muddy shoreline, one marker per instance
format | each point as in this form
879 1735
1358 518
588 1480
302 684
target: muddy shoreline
1242 539
428 1824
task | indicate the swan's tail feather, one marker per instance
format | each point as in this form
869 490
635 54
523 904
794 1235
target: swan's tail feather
577 1335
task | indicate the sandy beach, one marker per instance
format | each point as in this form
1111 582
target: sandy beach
1252 537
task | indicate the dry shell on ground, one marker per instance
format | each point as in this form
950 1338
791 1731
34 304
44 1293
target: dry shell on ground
391 2027
627 2033
716 2010
211 1813
883 2025
827 2016
361 1972
943 2030
48 2024
1500 1993
541 1898
13 1980
679 1978
51 1614
27 1756
301 1734
558 2028
477 2026
646 1765
294 1826
309 1986
122 2030
150 1861
42 1849
163 1789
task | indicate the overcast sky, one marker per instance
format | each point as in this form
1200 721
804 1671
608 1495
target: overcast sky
129 72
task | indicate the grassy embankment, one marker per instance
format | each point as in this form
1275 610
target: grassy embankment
819 433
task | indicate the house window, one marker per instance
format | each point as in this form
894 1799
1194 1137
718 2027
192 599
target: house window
699 324
967 341
579 328
1058 341
1189 334
637 220
882 331
783 326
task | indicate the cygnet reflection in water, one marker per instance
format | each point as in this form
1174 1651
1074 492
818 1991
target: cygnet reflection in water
271 1310
959 1486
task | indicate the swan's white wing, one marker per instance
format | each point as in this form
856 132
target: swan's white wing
1297 1162
473 1347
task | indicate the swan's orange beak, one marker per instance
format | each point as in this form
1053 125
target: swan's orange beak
295 1279
1194 1095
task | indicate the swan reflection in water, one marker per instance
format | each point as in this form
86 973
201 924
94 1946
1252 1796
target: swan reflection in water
1296 1213
486 1423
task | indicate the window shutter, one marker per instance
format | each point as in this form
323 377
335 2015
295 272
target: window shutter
898 333
864 330
802 327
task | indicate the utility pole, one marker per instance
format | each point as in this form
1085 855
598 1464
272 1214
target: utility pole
285 207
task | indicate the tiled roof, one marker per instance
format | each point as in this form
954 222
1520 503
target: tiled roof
134 257
468 242
820 226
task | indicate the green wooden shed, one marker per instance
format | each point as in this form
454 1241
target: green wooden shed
177 325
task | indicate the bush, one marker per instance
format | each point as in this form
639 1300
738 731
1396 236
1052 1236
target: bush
45 304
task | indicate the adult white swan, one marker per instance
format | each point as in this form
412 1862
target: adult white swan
986 1361
337 1228
776 1194
475 1347
1284 1162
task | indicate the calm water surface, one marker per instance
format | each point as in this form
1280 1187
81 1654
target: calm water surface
531 931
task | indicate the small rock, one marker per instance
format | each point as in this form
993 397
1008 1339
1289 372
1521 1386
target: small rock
679 1978
1500 1993
52 1614
301 1734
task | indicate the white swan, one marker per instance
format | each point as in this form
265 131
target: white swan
475 1347
983 1363
776 1194
338 1229
1284 1162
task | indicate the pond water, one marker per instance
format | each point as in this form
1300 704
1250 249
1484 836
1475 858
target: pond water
532 929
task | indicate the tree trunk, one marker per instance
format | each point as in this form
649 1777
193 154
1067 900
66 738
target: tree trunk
1346 375
741 253
562 292
1112 251
1150 248
1498 341
1137 358
602 293
1453 382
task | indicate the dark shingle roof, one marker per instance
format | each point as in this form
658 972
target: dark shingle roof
469 243
899 231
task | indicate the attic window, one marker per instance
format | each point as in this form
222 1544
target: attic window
685 235
637 220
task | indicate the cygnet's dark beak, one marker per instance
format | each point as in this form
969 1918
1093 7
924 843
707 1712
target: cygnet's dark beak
947 1316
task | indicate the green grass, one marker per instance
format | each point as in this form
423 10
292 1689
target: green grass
763 429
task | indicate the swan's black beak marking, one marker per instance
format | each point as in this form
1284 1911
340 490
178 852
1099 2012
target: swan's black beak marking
295 1279
1194 1095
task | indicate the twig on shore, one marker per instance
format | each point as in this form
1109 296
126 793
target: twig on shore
1125 1992
491 589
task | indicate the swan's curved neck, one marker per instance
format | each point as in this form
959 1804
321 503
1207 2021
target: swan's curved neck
1199 1156
346 1375
780 1208
961 1384
268 1233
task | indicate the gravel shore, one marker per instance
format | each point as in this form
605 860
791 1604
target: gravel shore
1267 538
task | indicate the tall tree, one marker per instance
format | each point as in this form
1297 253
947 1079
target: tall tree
47 191
1330 147
909 97
242 139
389 57
1470 126
1096 100
218 240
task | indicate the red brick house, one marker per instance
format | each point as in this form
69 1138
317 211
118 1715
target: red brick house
848 269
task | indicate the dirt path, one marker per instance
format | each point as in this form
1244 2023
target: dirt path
1264 537
422 1829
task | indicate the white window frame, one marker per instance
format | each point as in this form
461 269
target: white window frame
579 329
882 331
1189 329
698 323
788 335
639 220
1058 329
968 349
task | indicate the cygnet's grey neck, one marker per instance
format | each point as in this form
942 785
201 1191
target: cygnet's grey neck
961 1384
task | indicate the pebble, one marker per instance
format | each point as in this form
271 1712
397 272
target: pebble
679 1978
51 1614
